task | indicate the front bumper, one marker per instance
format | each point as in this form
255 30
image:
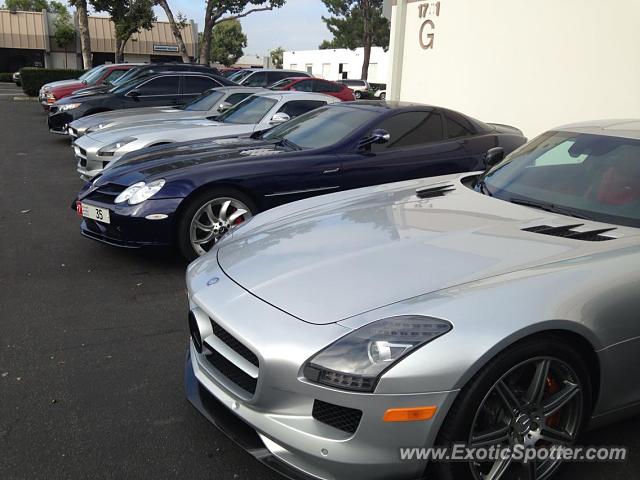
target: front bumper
59 121
128 227
280 411
90 163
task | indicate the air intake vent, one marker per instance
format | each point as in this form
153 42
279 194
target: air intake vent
342 418
433 192
568 231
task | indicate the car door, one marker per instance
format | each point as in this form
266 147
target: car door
159 91
417 148
194 85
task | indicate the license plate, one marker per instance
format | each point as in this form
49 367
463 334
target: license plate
95 213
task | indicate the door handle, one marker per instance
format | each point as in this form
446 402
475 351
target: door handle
332 170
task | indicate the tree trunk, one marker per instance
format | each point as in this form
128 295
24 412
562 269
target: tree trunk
367 38
85 39
120 44
176 31
209 22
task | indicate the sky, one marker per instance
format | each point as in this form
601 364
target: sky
296 26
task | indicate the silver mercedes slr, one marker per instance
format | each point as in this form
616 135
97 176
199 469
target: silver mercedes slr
492 309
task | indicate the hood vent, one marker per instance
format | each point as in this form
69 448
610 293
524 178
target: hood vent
433 192
568 231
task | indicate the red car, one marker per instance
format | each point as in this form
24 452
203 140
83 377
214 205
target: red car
317 85
52 92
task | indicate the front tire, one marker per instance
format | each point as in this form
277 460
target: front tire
383 96
208 217
357 94
535 393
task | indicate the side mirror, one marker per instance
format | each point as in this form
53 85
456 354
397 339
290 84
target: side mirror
134 94
224 106
493 157
279 118
377 136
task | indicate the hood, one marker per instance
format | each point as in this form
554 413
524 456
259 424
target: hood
75 98
177 160
155 130
138 117
61 83
373 247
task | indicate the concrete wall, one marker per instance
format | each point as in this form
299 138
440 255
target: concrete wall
57 60
325 63
534 65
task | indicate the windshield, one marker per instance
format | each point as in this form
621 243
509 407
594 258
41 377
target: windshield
591 176
205 102
321 127
94 75
250 110
84 76
239 76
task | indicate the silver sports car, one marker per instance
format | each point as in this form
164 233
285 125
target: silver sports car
487 309
210 104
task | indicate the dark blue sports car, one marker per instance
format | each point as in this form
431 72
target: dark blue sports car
190 194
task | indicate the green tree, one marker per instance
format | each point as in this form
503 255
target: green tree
277 57
128 16
227 42
35 6
356 23
65 32
233 9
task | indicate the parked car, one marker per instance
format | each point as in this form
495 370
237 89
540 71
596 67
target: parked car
104 75
263 77
495 310
162 89
381 94
146 70
361 88
227 72
190 194
17 79
318 85
208 105
88 75
94 151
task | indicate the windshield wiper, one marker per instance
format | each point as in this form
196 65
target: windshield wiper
288 143
549 207
482 186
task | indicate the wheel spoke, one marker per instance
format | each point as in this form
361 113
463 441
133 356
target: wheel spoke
532 469
498 469
210 215
224 210
555 436
206 239
236 215
202 226
559 399
508 398
491 437
538 383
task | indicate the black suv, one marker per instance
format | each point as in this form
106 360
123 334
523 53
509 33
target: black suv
160 89
145 71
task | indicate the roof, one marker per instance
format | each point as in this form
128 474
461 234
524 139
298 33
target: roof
380 105
22 30
625 128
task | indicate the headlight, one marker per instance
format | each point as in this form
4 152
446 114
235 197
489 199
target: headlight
357 360
139 192
110 150
68 106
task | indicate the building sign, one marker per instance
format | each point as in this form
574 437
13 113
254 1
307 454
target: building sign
165 48
429 11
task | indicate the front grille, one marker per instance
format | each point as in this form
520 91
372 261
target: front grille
106 193
234 344
342 418
82 151
231 372
53 109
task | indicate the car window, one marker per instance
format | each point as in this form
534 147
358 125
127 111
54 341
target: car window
94 75
114 75
249 111
282 84
237 97
277 76
90 72
205 102
294 108
198 84
303 86
167 85
258 79
559 155
409 129
322 127
457 126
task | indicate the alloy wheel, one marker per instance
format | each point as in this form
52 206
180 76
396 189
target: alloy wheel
538 403
214 219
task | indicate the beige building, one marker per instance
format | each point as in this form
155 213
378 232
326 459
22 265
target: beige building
534 65
27 39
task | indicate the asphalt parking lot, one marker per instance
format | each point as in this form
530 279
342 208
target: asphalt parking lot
93 340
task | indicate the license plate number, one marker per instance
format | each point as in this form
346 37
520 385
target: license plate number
95 213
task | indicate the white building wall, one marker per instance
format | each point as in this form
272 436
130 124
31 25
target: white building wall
534 65
326 63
